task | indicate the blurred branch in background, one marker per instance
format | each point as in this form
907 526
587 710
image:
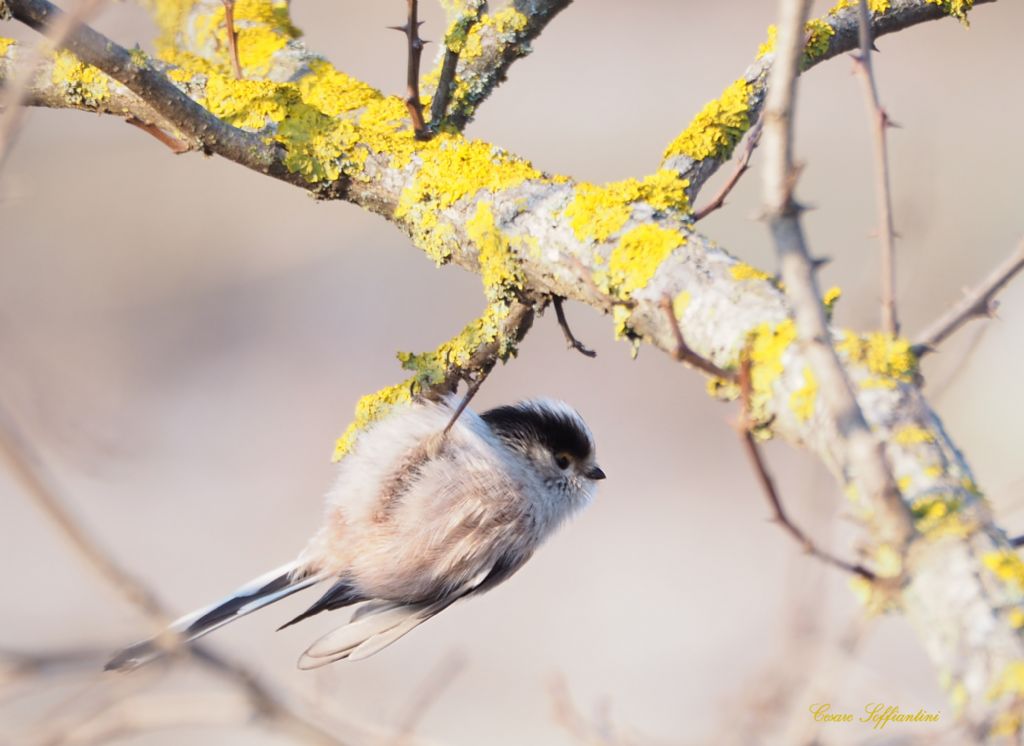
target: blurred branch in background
112 714
978 303
16 90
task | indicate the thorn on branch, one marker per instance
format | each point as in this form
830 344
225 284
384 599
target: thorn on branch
570 338
883 191
976 304
411 29
177 146
742 166
767 483
683 353
229 22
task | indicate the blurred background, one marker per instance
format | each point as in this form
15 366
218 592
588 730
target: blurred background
183 340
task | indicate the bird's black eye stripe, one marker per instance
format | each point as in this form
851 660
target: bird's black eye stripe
521 426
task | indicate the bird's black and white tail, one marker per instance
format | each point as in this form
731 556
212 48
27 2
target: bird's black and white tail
257 593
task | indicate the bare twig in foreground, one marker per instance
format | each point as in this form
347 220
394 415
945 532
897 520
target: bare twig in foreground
883 191
570 338
861 451
781 517
742 166
976 304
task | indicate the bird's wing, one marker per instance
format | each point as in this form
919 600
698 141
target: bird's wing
377 624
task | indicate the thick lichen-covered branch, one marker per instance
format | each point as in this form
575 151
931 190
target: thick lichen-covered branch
133 70
61 81
709 139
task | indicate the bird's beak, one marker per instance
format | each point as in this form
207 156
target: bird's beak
594 472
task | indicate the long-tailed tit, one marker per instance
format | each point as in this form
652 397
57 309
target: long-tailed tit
421 516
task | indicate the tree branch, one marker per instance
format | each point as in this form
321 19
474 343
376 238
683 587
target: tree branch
742 166
866 457
976 303
497 41
411 29
453 44
883 193
151 85
709 139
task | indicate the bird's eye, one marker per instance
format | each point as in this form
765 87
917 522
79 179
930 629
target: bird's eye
563 460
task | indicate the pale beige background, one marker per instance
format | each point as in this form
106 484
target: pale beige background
185 340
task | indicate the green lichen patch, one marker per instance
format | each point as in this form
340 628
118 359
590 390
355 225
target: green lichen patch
83 85
829 300
719 126
803 400
889 359
263 28
453 168
1006 565
819 35
939 516
743 271
499 267
874 6
955 8
599 212
909 435
767 345
637 256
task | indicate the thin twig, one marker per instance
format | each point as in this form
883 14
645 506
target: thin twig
683 353
411 29
976 303
229 22
570 338
27 467
474 386
768 484
177 146
860 451
883 191
742 166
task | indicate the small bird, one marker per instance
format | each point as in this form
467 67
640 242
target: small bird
425 511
